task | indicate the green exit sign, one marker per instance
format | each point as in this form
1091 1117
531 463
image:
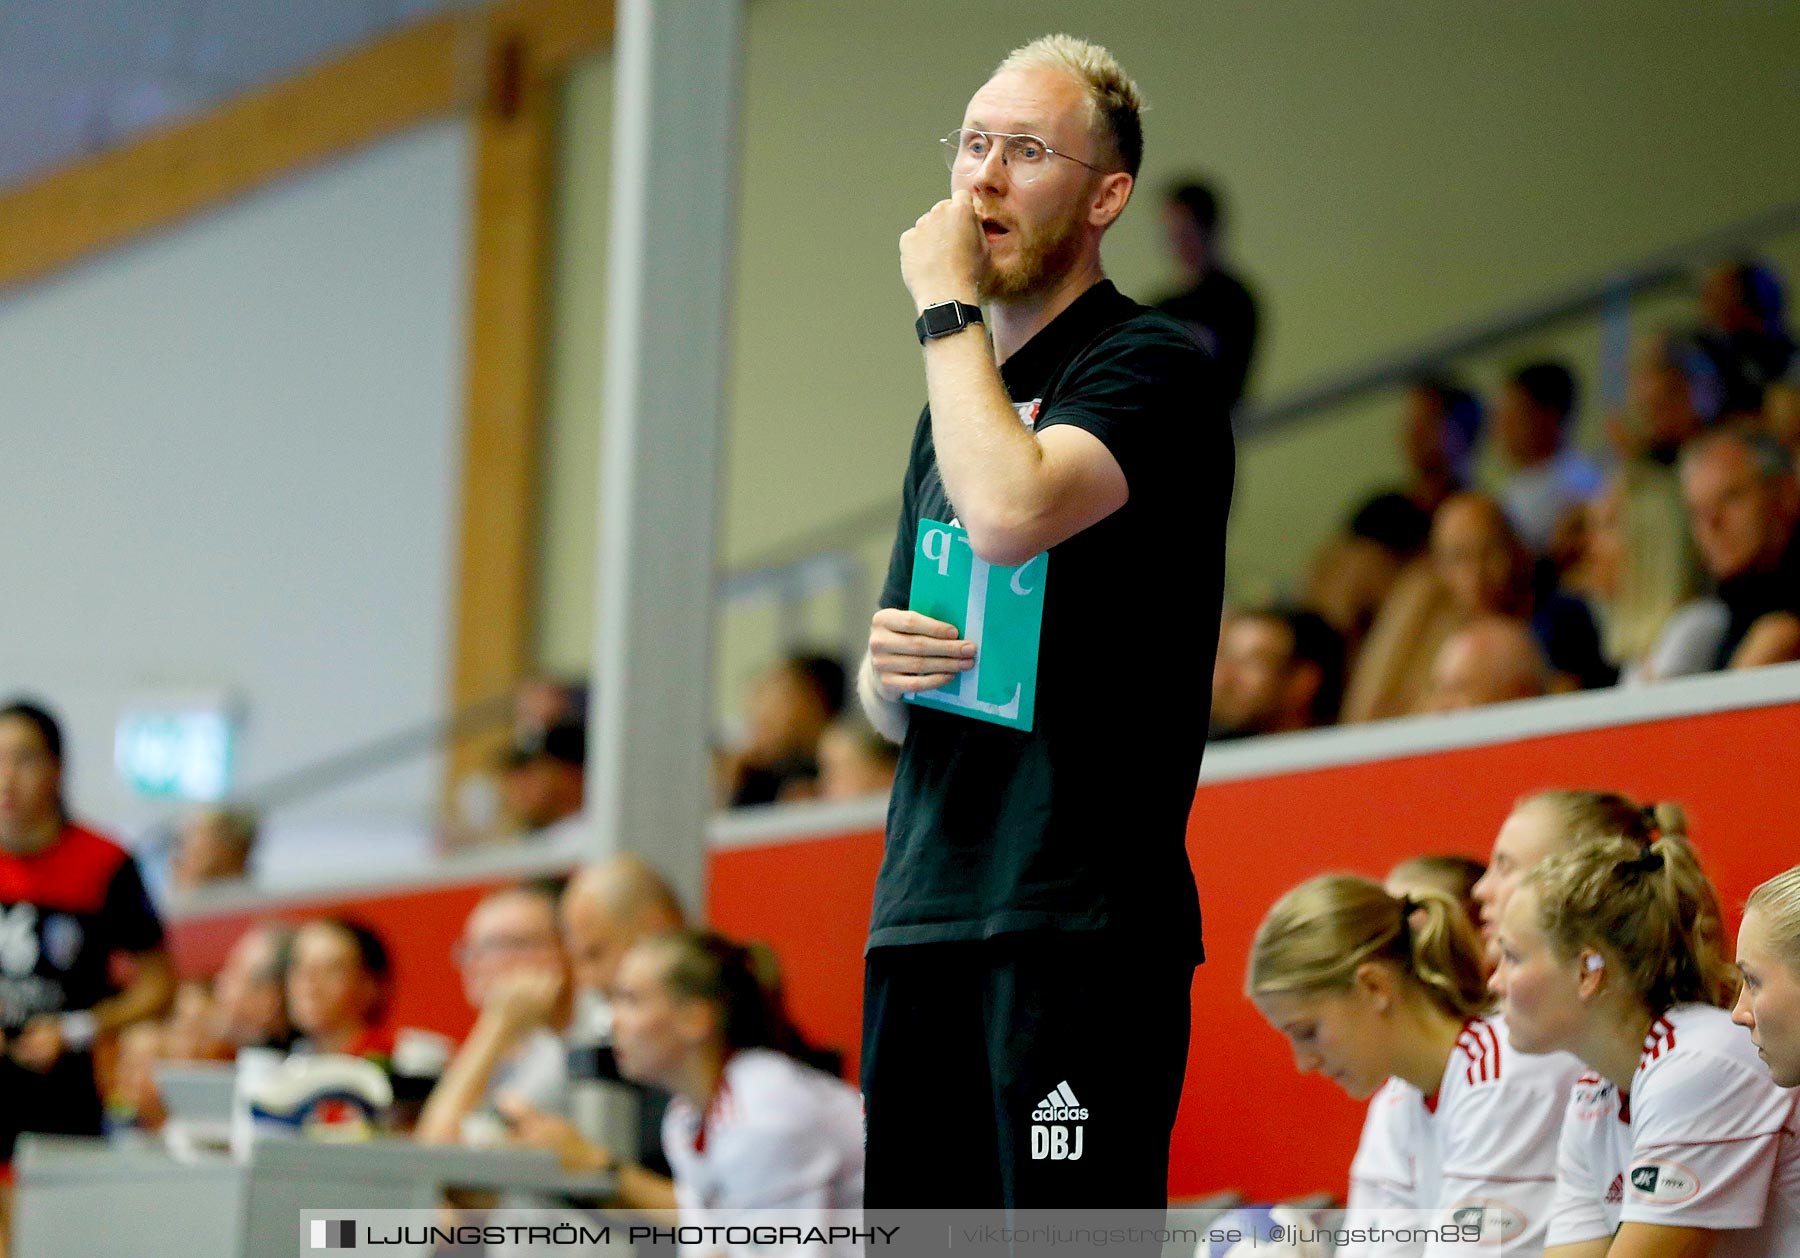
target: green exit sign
176 753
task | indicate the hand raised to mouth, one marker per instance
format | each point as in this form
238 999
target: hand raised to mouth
944 254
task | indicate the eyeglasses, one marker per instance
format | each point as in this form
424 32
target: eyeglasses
1024 156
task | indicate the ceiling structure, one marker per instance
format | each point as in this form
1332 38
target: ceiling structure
78 77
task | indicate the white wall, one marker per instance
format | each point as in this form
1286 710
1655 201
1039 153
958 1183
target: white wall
229 458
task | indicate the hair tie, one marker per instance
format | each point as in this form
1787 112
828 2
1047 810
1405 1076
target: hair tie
1646 863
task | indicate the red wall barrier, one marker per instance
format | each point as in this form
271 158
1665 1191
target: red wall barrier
1247 1120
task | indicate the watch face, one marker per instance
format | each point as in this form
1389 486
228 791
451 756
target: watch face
944 317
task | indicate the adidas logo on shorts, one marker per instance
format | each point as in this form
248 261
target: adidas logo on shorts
1059 1106
1051 1136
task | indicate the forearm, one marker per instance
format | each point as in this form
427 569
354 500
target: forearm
993 465
464 1083
888 716
148 995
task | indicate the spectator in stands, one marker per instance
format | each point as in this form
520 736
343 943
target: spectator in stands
1673 393
1768 957
1350 578
1278 670
213 844
1744 333
1456 876
1744 505
790 705
543 703
515 973
1550 478
73 915
338 986
542 784
1488 573
606 910
1492 659
191 1031
693 1019
854 760
1392 674
1212 301
1553 821
1440 429
250 990
1781 413
1644 575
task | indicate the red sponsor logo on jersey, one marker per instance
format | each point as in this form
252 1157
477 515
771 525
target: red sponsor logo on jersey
1615 1192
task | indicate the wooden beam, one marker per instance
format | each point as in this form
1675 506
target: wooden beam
528 44
426 71
169 175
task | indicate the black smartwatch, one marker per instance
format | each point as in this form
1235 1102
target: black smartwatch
944 318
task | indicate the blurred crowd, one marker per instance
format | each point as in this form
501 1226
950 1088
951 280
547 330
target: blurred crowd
1667 553
599 980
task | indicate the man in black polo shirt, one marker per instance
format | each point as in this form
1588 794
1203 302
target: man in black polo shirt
1036 925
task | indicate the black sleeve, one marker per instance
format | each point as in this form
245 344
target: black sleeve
1150 397
896 591
130 919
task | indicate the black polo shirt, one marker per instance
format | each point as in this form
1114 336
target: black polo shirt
1080 824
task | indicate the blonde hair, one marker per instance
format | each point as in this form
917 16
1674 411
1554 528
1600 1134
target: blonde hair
1319 934
1582 816
1778 900
1649 906
1113 100
1661 568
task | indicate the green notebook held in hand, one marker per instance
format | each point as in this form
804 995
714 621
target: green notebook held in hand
1001 610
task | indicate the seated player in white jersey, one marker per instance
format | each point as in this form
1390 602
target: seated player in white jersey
1768 957
750 1128
1382 992
1677 1144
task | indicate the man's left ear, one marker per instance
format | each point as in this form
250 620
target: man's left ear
1110 198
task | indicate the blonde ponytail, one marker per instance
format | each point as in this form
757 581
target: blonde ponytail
1650 907
1319 934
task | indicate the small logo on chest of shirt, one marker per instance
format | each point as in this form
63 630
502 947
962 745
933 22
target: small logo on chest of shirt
1029 411
1663 1182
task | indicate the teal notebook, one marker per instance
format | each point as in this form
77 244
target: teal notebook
1001 610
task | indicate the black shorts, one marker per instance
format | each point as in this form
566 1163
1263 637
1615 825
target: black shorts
1033 1071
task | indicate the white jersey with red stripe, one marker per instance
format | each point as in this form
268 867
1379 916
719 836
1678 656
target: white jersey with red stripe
1382 1178
1481 1148
1705 1139
778 1135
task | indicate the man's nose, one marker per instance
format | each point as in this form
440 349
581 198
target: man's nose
991 171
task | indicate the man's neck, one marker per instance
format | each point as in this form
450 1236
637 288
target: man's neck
31 841
1014 321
